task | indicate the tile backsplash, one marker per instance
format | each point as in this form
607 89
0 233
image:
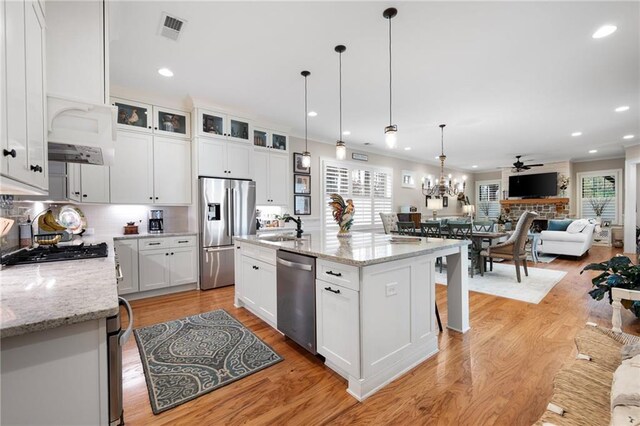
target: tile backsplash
103 220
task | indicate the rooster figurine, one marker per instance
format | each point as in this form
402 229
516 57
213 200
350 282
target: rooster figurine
342 213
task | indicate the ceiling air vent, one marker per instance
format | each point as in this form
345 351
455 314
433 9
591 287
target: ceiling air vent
171 27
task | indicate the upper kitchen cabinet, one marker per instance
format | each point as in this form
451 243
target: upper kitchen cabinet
151 170
87 183
217 125
133 115
222 159
171 122
24 154
141 117
270 139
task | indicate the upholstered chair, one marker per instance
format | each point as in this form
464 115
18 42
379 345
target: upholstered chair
389 221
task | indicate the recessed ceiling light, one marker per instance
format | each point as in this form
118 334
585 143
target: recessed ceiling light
407 148
312 114
576 134
622 108
346 133
605 30
593 151
165 72
475 166
628 137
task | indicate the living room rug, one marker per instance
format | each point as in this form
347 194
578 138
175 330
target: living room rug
502 282
188 357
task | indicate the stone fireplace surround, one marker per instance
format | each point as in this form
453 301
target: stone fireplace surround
547 208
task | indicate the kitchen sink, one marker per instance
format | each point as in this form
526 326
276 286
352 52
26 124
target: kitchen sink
278 238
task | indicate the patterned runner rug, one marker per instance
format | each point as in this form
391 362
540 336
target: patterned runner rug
189 357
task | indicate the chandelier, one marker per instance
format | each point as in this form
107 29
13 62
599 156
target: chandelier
444 185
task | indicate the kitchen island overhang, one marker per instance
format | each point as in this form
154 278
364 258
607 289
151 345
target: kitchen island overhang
381 323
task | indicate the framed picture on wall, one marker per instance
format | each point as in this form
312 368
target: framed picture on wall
301 184
297 164
445 201
302 204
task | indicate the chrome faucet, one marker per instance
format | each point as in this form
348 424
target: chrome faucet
298 222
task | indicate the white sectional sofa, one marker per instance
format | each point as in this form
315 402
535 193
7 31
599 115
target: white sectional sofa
567 243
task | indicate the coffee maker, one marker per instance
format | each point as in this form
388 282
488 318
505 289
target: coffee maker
156 225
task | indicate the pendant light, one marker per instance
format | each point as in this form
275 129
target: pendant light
306 155
341 147
390 132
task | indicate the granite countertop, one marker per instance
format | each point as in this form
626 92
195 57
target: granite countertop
146 235
41 296
362 249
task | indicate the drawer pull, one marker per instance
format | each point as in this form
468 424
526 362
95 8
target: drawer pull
332 290
335 274
154 244
183 241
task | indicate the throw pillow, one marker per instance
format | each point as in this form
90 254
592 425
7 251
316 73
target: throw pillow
559 225
577 226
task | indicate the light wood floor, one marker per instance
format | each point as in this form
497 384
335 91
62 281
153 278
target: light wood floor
500 372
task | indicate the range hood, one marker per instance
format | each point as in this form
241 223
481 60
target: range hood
81 132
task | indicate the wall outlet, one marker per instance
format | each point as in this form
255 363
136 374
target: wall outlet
391 289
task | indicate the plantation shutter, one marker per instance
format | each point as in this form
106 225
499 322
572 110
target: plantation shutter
369 188
600 188
489 196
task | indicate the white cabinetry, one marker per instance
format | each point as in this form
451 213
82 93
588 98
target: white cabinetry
218 158
151 170
126 252
165 262
258 280
171 171
271 174
338 316
87 183
24 149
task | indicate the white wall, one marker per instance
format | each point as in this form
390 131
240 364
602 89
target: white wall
401 196
631 196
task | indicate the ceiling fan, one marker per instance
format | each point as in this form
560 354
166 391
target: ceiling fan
519 166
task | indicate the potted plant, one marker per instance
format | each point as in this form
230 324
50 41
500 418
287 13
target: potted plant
615 272
598 205
563 183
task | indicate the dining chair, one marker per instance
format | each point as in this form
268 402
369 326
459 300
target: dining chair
432 229
514 247
464 231
483 226
406 228
389 222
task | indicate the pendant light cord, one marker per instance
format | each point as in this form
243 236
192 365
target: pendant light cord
390 77
306 115
340 134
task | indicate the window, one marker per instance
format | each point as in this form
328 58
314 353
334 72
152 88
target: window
487 199
594 187
369 187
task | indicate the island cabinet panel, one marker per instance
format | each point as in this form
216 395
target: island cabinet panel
397 305
338 326
259 288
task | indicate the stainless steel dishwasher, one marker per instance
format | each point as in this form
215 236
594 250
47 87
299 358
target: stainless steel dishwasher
297 298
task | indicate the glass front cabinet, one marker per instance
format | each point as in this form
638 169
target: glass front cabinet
222 126
270 139
133 115
141 117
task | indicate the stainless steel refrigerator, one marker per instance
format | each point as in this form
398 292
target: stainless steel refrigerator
227 208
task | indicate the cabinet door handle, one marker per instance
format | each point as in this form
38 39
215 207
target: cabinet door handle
33 168
84 195
149 127
183 241
154 244
156 198
151 198
155 128
76 193
12 153
119 275
166 254
335 274
171 253
332 290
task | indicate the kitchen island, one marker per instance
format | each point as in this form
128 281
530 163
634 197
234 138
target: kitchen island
374 299
54 341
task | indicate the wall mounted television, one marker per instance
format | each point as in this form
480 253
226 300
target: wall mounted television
533 186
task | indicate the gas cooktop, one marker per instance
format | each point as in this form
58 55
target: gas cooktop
43 254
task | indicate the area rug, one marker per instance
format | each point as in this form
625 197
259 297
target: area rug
502 282
188 357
